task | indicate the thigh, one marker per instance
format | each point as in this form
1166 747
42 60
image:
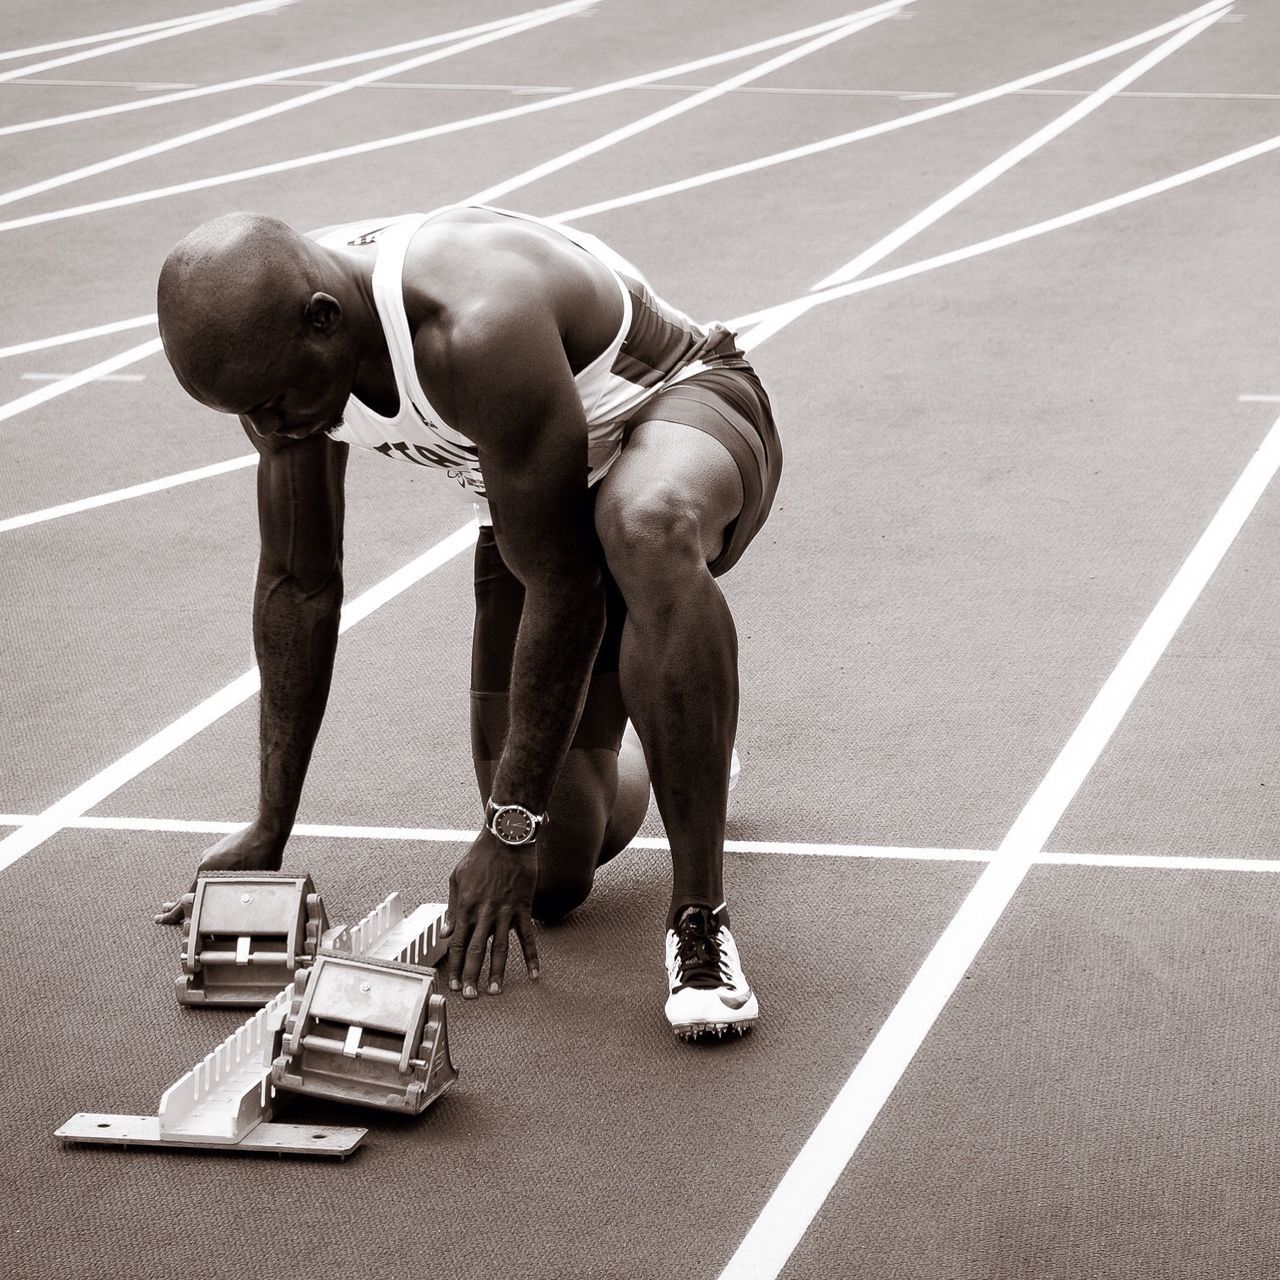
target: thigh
711 444
669 463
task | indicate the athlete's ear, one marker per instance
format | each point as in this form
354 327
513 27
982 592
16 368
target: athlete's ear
323 312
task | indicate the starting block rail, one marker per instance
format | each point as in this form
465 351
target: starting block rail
227 1100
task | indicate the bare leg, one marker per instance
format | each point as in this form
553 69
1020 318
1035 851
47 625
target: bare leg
661 516
632 801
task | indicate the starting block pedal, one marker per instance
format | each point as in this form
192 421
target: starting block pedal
245 935
366 1031
367 1025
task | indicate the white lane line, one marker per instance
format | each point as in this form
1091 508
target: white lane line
70 383
66 82
473 86
536 18
216 18
102 377
800 305
804 1188
420 135
459 86
786 848
217 705
1157 862
33 50
1002 164
796 306
78 335
750 166
1258 399
131 491
858 22
889 126
807 1183
285 76
458 835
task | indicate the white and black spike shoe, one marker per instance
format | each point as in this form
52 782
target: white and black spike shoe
710 996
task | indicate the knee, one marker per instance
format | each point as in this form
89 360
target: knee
646 532
566 866
569 846
554 899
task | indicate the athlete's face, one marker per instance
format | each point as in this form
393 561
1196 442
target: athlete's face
297 386
304 394
299 390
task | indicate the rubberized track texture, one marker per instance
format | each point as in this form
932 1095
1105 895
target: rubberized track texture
1001 862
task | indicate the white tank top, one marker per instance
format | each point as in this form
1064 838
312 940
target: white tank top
656 345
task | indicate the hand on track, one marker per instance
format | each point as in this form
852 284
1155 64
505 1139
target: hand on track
252 848
490 893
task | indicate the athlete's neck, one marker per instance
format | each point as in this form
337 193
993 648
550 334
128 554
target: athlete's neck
375 380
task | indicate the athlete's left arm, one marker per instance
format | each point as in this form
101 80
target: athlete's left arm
513 392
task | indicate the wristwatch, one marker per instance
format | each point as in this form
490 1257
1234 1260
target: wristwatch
513 824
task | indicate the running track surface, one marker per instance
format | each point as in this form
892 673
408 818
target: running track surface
995 468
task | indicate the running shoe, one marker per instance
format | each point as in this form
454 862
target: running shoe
709 993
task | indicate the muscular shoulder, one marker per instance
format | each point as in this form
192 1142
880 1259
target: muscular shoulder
477 282
480 312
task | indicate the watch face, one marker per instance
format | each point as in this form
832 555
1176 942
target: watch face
514 825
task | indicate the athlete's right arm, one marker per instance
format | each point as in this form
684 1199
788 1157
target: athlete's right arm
296 605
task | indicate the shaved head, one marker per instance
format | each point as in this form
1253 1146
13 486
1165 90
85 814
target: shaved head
232 295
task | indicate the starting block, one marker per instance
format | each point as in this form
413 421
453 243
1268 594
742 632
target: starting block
369 1026
245 935
224 1103
227 1102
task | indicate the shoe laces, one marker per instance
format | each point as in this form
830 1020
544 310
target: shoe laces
701 962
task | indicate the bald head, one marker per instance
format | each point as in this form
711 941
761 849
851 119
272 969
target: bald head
233 296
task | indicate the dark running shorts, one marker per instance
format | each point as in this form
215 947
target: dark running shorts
728 402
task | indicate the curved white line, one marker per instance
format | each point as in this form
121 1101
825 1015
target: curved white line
537 18
800 305
167 33
985 176
269 77
78 335
887 126
860 22
131 491
421 135
73 42
72 381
